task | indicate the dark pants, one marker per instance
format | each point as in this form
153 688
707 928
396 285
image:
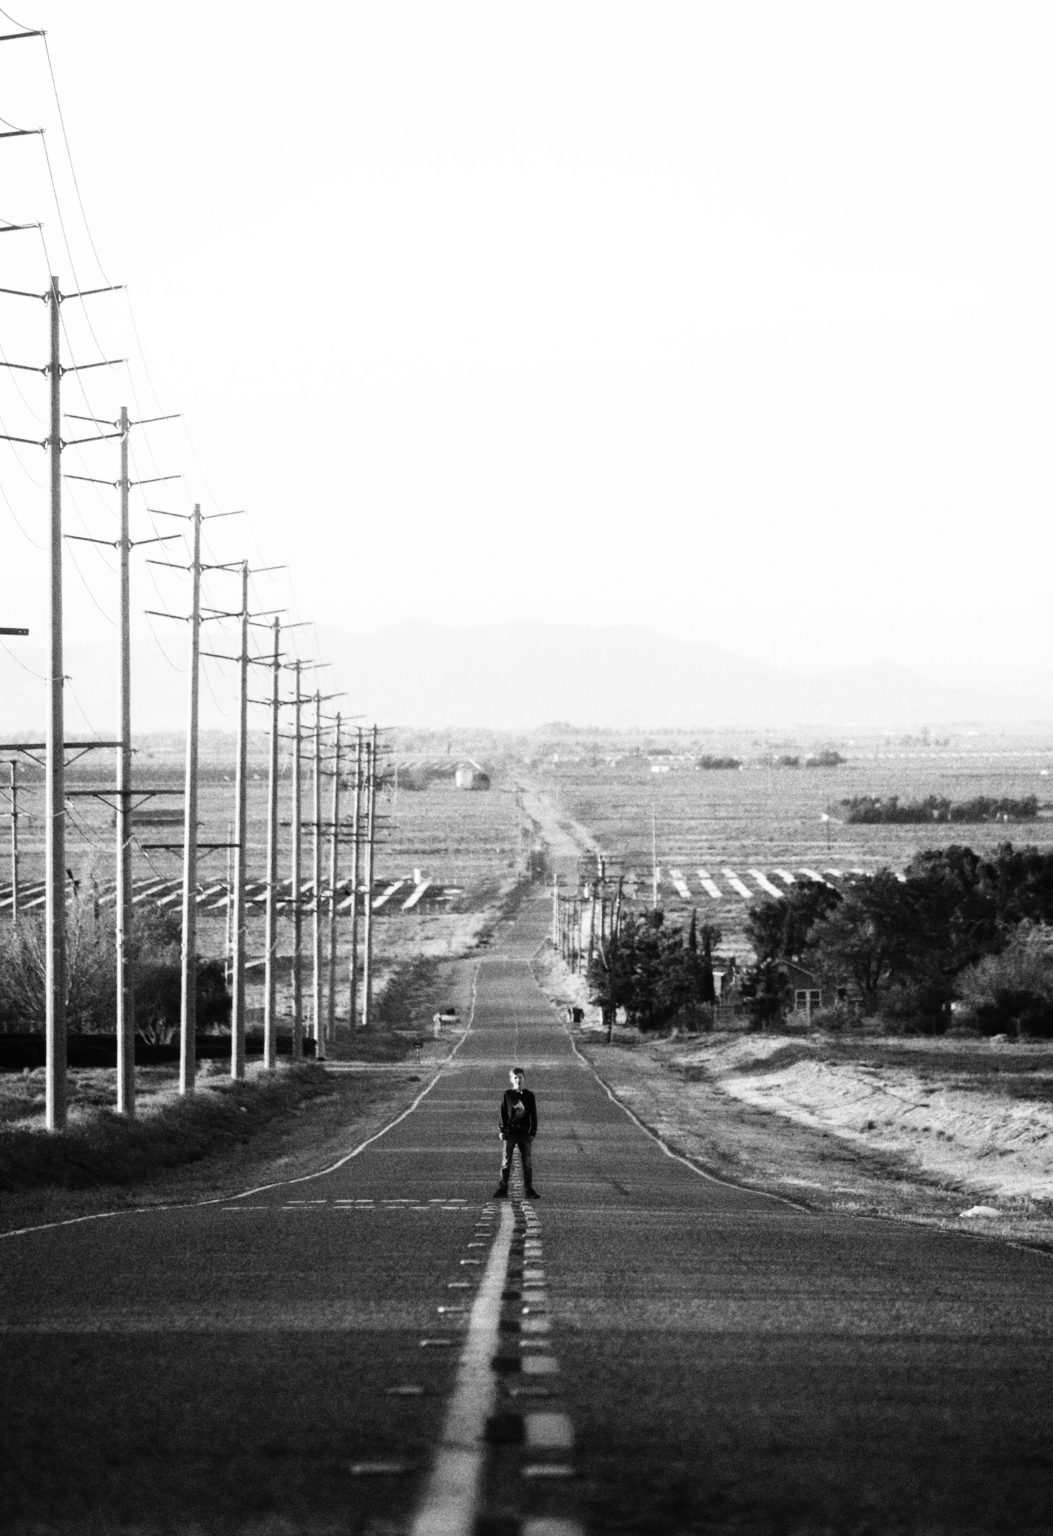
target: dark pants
508 1147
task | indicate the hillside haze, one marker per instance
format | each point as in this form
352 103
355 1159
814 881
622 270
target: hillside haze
515 676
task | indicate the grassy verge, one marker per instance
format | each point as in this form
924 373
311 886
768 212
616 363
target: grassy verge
229 1134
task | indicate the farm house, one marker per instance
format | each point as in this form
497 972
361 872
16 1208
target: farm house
469 775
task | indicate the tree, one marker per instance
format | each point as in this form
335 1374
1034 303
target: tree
91 972
659 975
1012 992
870 938
778 927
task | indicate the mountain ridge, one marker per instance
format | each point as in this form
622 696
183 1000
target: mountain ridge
518 675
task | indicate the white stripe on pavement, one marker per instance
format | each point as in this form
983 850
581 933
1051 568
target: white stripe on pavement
451 1498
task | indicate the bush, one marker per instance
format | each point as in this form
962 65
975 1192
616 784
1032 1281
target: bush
1012 992
693 1019
91 976
836 1018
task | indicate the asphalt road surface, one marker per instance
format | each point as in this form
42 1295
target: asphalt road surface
384 1348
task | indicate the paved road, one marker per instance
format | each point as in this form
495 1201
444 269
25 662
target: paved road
383 1348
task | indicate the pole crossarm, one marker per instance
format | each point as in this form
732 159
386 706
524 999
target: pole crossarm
178 847
32 748
6 630
98 480
85 538
180 617
11 229
16 37
103 791
105 362
86 293
141 421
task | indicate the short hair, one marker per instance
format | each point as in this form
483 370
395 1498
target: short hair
519 1070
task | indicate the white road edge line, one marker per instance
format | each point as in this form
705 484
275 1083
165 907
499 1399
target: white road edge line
451 1498
678 1157
304 1178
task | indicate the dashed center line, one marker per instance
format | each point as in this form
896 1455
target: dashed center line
452 1494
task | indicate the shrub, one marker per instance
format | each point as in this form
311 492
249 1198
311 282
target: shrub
836 1018
1011 992
91 976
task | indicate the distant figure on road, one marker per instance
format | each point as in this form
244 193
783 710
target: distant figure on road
518 1129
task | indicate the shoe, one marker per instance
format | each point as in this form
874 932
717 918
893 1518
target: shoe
532 1194
500 1193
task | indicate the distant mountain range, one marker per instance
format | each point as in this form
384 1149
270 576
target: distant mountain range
516 676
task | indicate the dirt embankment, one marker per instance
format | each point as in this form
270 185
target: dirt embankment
955 1133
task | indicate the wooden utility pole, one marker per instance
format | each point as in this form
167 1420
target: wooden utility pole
270 1023
297 866
123 911
654 858
188 954
55 746
55 767
316 906
188 948
367 895
124 915
356 875
237 1022
334 855
14 839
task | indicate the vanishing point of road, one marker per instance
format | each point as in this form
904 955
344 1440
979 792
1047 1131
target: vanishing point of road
381 1347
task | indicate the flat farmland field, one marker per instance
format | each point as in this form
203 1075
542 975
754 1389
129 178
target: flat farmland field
721 837
463 847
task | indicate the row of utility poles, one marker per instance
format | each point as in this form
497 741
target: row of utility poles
125 797
583 924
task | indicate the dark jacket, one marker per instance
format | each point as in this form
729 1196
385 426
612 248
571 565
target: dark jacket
518 1113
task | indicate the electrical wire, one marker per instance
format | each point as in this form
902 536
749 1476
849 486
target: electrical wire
142 367
18 663
72 168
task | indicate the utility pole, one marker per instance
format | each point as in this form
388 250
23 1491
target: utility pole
123 808
316 907
190 844
188 953
654 858
55 766
237 1022
334 844
14 840
297 866
239 837
270 1023
356 875
371 823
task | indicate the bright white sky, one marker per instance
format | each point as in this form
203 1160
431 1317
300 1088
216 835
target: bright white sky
731 318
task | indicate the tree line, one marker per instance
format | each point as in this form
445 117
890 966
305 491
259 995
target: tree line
958 937
958 932
659 974
882 810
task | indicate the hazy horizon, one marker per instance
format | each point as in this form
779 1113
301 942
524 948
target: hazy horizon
730 321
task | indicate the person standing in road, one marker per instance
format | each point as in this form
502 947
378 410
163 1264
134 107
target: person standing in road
518 1129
